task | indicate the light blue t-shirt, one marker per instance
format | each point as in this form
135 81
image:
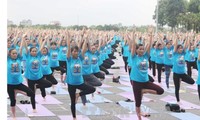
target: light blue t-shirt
45 64
153 54
86 63
140 65
129 58
198 66
33 67
179 63
159 56
126 49
190 55
54 58
74 71
14 76
94 62
62 53
168 55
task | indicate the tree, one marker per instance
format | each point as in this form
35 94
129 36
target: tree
194 6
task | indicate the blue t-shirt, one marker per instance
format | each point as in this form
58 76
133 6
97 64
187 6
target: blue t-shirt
179 63
54 57
196 52
126 49
33 67
190 55
153 54
168 55
62 53
140 65
129 58
159 56
94 62
14 76
74 71
86 63
198 66
45 64
100 61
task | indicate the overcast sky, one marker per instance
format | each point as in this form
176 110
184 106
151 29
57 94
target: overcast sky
83 12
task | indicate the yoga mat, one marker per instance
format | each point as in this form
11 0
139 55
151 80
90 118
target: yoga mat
108 76
196 93
130 96
19 118
131 107
41 110
194 87
127 83
49 100
105 86
184 104
69 117
59 90
102 91
127 89
125 78
185 116
130 117
97 99
90 109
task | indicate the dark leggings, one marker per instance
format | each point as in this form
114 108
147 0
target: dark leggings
85 89
41 83
109 61
198 87
11 92
159 69
106 65
153 64
167 74
137 90
125 62
189 65
99 75
49 78
58 69
111 56
185 78
63 64
102 68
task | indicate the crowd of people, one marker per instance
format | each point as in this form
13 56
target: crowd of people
83 58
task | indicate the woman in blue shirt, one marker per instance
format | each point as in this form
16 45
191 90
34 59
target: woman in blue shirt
139 75
190 58
34 72
179 72
74 75
14 79
168 55
198 80
45 66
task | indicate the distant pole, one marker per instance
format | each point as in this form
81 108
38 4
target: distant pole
157 18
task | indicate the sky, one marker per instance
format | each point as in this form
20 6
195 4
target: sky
83 12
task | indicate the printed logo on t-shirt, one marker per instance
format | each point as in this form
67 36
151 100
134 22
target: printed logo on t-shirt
77 69
54 55
161 53
35 65
170 54
94 60
45 61
15 68
143 66
181 61
64 50
86 60
192 57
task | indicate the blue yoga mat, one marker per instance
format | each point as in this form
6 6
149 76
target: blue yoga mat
186 116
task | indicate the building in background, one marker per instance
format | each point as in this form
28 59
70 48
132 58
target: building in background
55 23
26 22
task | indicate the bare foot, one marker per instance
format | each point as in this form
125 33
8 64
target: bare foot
44 99
14 118
77 96
34 111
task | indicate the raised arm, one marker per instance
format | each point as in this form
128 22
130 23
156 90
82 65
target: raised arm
150 41
25 45
21 46
133 47
68 45
175 44
84 48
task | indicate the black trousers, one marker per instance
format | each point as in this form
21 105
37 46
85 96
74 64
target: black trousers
159 69
184 78
125 62
85 89
189 65
11 92
41 83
